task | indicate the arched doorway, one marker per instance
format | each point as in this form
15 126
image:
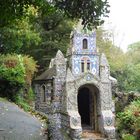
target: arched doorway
87 107
84 105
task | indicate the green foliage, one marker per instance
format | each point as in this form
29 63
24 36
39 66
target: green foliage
12 69
37 35
133 53
17 71
90 11
29 96
20 35
16 9
55 36
3 99
128 137
132 80
134 47
129 121
116 57
20 101
30 68
129 76
125 67
24 100
15 68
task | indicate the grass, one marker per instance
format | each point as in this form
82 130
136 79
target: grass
3 99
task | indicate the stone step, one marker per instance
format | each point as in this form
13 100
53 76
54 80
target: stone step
91 135
93 139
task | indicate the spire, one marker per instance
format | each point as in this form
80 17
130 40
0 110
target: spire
59 55
69 76
104 61
59 58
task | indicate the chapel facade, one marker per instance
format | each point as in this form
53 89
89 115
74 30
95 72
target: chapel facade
75 92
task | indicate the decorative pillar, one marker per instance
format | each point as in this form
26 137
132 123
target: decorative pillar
107 118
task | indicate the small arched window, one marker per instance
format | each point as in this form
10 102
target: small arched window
85 44
43 93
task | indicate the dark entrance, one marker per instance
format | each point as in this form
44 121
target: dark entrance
84 106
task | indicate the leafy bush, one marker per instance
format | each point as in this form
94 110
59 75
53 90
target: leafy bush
128 137
29 96
12 69
129 121
22 102
17 71
30 68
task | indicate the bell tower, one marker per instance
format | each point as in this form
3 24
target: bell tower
83 53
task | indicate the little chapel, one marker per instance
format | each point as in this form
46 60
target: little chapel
75 92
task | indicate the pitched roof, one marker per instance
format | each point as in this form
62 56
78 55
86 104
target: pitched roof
48 74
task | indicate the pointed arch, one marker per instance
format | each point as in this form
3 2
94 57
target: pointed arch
43 93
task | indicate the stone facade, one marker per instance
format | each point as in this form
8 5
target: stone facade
75 92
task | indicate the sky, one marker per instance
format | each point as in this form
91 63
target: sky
124 21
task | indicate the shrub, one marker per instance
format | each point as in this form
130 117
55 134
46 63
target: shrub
12 69
128 137
17 71
22 102
30 68
128 121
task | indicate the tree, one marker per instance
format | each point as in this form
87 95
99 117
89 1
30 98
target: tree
133 53
126 68
116 57
55 36
37 35
21 34
14 9
89 11
132 71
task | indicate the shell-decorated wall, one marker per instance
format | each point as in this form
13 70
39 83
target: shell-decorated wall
84 54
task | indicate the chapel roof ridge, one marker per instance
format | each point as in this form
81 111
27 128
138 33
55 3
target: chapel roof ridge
48 74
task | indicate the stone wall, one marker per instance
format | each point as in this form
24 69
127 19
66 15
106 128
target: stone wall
123 99
40 105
